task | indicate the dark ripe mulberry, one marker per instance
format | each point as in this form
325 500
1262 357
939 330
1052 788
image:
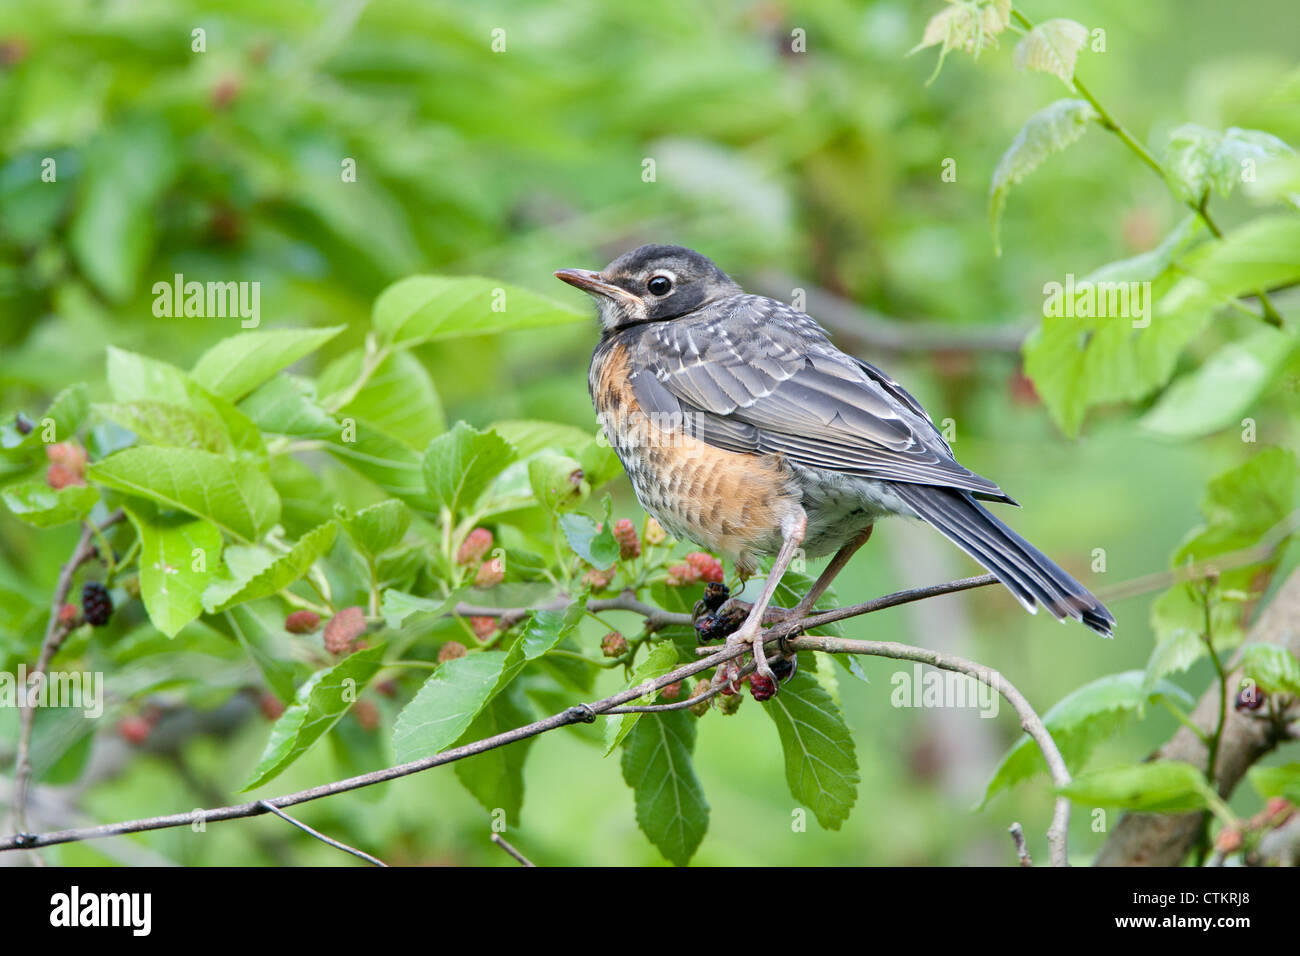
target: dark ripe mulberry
23 424
784 668
763 688
1250 698
96 604
715 595
709 627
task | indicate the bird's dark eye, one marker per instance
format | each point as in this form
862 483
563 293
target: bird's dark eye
659 285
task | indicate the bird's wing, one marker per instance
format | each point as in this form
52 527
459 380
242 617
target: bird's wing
754 375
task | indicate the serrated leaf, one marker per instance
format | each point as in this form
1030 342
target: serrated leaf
530 436
821 766
65 413
1078 359
541 631
398 398
379 527
460 464
446 705
424 308
495 778
1223 389
1261 254
164 424
1178 651
38 504
594 545
1283 781
670 806
1162 786
1080 721
661 659
396 469
1052 47
232 493
1240 506
286 405
319 703
1273 668
1197 159
1048 131
179 555
226 592
236 365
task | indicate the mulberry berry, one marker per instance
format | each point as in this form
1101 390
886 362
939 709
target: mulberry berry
344 628
629 545
450 651
763 688
475 546
302 622
96 604
613 644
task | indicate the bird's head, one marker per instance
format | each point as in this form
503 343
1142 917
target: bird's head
650 284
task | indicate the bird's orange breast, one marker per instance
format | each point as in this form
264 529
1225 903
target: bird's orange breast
730 503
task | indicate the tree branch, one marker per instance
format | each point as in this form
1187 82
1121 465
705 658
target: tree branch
586 713
55 632
1148 839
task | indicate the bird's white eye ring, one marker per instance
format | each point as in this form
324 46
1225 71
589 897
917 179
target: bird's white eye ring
659 284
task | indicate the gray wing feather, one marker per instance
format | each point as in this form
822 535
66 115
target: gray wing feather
754 375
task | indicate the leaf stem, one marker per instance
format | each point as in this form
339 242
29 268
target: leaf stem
1270 314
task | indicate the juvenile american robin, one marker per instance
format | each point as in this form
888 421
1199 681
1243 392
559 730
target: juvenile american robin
745 430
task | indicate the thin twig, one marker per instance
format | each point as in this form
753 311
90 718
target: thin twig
55 633
581 713
1022 849
322 837
523 860
1030 722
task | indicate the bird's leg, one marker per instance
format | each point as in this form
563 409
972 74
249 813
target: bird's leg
828 575
751 631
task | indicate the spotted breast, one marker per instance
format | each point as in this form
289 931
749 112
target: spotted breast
735 505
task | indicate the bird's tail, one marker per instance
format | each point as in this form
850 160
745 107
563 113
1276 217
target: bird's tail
1027 573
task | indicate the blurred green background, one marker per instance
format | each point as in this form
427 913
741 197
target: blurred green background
823 165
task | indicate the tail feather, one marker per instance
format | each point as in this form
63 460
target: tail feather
1027 573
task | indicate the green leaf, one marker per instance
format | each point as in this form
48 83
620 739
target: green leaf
1048 131
232 493
236 365
446 705
397 606
1162 786
66 413
557 481
495 778
226 592
1261 254
1274 669
399 398
1283 781
286 405
542 631
178 557
379 527
126 170
424 308
38 504
1240 506
530 436
171 425
670 806
1080 721
969 25
661 659
821 767
1221 391
594 545
1197 159
396 469
1052 47
1078 359
320 702
1182 646
270 651
460 464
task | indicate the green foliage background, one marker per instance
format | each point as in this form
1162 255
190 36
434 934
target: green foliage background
825 165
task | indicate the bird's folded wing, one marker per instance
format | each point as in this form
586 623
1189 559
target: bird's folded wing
761 377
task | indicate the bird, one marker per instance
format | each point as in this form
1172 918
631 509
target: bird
746 431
